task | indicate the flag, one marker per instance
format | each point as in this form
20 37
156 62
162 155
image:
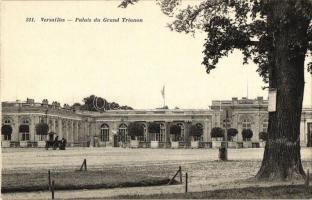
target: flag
163 92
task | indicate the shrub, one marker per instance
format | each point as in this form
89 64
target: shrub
196 130
217 132
6 130
154 127
263 136
232 132
175 130
247 134
135 129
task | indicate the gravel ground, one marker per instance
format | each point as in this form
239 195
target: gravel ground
205 172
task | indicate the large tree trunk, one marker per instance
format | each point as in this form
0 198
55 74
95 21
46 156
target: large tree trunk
282 160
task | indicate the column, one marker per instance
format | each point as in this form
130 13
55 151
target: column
206 131
60 128
15 131
32 129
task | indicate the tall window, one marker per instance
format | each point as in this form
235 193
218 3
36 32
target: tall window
246 123
104 133
24 130
123 133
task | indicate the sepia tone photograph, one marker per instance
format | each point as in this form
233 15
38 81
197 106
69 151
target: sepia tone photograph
156 99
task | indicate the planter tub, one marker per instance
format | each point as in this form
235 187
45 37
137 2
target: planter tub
216 144
41 144
262 144
134 143
6 143
23 143
154 144
194 144
174 145
247 144
232 145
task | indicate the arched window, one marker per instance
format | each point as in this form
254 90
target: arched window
200 138
182 132
123 133
104 136
7 121
246 124
24 130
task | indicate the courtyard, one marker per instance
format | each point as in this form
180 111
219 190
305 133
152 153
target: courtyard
202 165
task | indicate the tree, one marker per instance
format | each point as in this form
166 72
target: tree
42 128
94 103
196 131
135 129
217 132
232 132
154 127
175 131
276 35
247 134
263 136
6 130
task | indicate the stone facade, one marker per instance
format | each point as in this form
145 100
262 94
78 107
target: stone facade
84 128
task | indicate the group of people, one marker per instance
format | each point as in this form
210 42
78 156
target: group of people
61 144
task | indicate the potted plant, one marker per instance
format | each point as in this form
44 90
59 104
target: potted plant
247 135
196 131
231 133
42 131
154 128
135 130
263 136
175 132
217 134
6 131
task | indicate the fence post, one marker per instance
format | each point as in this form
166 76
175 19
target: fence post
49 179
52 189
180 169
85 162
186 182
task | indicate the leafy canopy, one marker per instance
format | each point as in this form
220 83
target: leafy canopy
234 24
175 129
135 129
42 128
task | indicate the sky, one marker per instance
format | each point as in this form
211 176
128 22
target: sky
123 62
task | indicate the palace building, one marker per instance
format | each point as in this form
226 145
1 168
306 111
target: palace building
109 128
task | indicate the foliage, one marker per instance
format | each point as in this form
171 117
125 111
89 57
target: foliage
263 136
92 101
135 129
196 130
6 130
154 127
175 129
232 132
217 132
42 128
247 134
235 24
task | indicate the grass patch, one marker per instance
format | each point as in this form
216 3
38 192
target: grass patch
273 192
70 180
